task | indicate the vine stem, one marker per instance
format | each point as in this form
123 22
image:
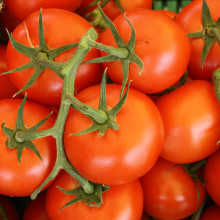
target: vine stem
57 131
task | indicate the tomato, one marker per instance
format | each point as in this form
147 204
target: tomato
169 192
112 10
9 208
169 13
48 87
191 116
118 156
22 179
190 19
212 177
119 202
162 45
212 212
22 9
36 210
7 87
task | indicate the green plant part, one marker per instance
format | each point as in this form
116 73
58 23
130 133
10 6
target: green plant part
210 32
128 48
14 136
216 80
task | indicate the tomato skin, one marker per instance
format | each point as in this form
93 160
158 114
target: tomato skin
36 210
124 155
9 208
212 177
169 192
191 116
211 213
119 202
7 87
190 19
22 179
169 13
161 43
22 9
48 87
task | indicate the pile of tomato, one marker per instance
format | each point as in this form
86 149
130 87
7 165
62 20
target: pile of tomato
109 110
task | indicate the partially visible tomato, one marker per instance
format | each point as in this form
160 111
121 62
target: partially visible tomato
191 116
169 192
9 209
121 155
22 9
7 87
22 179
162 45
36 210
211 213
169 13
119 202
190 18
212 176
48 87
112 10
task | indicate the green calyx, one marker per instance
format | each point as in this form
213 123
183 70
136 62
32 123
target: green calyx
94 199
106 118
127 48
15 136
216 80
210 32
41 57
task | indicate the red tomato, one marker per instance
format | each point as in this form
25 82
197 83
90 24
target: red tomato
169 13
22 9
212 177
191 116
211 213
9 209
48 87
118 156
169 192
161 43
112 10
22 179
119 202
7 87
190 18
36 210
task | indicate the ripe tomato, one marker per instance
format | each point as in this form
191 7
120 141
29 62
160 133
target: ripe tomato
36 210
118 156
9 209
112 10
7 87
169 192
212 177
211 213
48 87
161 43
22 179
119 202
191 116
169 13
190 19
22 9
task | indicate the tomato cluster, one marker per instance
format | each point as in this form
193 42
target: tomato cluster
109 110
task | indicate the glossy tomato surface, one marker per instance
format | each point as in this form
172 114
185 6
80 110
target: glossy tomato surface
119 156
190 18
169 192
212 177
21 9
119 202
191 116
161 43
22 179
47 88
